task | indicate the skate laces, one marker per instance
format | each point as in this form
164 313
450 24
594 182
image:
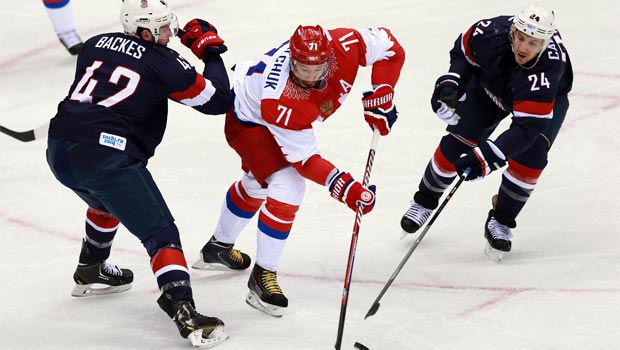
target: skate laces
235 255
186 312
112 269
270 282
418 213
499 231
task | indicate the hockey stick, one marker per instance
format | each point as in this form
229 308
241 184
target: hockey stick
375 305
353 247
29 135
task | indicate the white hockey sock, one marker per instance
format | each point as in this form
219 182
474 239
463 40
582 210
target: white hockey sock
62 18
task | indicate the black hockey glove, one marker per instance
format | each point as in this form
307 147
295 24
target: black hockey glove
482 160
445 97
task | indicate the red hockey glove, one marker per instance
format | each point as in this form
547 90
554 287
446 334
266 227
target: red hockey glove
200 36
379 111
343 188
482 160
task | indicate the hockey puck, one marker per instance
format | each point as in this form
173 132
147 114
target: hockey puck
360 346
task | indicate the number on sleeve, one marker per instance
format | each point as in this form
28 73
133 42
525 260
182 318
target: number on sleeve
184 63
345 42
479 30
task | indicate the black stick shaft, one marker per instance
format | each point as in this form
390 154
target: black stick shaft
375 305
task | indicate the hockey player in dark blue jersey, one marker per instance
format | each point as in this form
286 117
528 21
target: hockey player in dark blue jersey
107 128
504 65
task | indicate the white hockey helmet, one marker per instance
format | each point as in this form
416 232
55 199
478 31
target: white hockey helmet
536 21
151 15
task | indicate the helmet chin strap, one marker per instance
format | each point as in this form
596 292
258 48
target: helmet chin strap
526 66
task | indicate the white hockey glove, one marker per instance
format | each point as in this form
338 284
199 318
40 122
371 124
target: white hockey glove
447 114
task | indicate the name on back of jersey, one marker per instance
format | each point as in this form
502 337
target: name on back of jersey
273 77
120 44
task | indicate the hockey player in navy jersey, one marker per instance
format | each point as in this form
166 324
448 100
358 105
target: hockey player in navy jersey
500 66
107 128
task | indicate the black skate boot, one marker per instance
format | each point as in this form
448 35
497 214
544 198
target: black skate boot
97 277
202 331
71 41
216 255
497 233
420 211
265 293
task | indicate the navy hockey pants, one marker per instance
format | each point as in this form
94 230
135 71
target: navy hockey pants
479 119
480 116
110 180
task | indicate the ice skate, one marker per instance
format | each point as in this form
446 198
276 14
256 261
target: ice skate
415 217
219 256
418 213
498 238
71 41
202 331
265 293
99 277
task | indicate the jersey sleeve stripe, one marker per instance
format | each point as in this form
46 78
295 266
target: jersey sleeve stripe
543 110
197 94
466 49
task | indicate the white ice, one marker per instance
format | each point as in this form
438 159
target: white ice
558 289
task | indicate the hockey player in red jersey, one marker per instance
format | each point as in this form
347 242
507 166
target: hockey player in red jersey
104 133
276 99
504 65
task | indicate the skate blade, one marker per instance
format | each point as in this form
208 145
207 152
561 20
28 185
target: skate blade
89 290
493 254
201 265
216 337
254 301
404 234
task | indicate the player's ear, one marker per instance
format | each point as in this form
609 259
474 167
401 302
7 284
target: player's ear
145 34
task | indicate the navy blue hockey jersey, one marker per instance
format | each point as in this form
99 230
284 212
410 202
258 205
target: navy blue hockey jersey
119 97
483 55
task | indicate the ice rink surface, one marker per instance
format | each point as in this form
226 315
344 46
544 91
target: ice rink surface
558 289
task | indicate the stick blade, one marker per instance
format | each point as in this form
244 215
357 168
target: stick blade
373 310
360 346
24 136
